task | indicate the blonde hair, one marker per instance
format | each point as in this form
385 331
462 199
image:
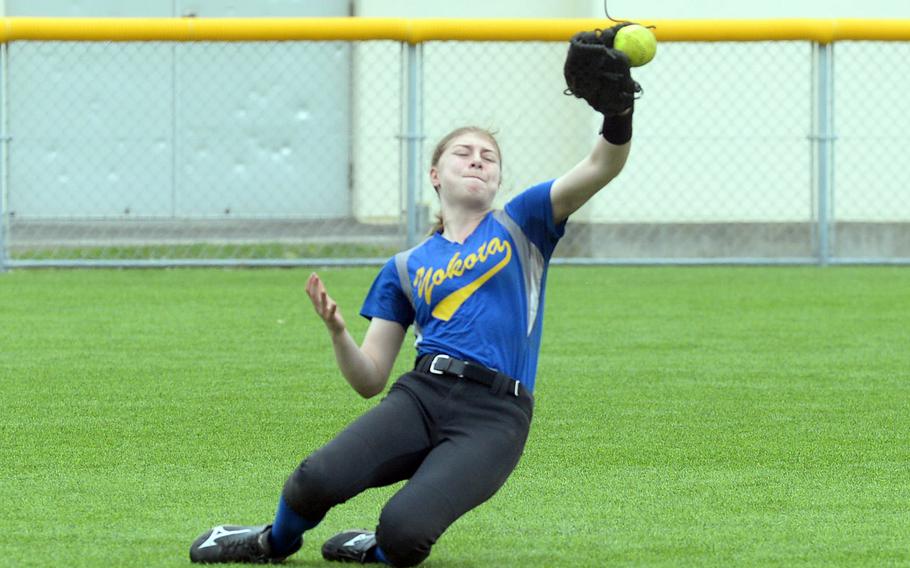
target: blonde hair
439 224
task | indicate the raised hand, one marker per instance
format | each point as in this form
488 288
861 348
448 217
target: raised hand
324 305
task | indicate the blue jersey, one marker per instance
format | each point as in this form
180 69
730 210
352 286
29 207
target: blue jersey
481 300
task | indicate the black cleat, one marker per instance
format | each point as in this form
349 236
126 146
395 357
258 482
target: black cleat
350 546
230 543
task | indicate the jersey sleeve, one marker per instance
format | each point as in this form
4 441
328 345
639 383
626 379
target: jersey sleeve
532 210
386 300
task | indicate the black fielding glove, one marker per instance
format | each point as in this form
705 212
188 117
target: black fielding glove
598 73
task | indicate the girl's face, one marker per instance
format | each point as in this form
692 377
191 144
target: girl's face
467 171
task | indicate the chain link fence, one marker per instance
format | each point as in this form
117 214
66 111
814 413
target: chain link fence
295 152
158 151
871 196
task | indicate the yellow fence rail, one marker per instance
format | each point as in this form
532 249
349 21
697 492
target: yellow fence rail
422 30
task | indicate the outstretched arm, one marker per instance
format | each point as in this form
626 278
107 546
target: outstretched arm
599 74
573 189
368 366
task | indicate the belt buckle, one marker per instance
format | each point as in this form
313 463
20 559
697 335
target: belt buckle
433 368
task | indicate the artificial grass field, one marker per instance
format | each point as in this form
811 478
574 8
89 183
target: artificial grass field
684 417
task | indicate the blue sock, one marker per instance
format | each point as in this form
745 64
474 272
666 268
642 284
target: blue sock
287 528
379 555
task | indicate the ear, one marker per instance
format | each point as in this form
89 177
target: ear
434 177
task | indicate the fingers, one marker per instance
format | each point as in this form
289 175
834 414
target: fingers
311 288
324 305
311 285
314 286
324 302
329 307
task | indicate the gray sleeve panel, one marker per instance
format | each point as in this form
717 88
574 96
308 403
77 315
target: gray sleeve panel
401 265
532 264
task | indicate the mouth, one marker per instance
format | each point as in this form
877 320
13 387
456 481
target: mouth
476 177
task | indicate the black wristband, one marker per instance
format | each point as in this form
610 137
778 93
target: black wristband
617 129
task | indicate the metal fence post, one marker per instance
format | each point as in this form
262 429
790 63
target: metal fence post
414 137
4 157
824 146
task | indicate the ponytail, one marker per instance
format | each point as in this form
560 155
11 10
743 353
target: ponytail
438 225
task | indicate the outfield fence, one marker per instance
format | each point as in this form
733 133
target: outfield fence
305 141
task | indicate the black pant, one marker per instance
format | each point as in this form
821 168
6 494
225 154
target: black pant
455 440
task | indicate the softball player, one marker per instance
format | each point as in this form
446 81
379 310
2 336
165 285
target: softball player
455 425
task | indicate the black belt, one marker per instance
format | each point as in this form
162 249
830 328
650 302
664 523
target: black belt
445 365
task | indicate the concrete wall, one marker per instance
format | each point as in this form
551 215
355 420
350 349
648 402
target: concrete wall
175 8
194 130
717 9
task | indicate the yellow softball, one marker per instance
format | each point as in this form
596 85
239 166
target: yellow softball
638 42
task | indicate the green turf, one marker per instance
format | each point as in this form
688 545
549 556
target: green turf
685 417
208 251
